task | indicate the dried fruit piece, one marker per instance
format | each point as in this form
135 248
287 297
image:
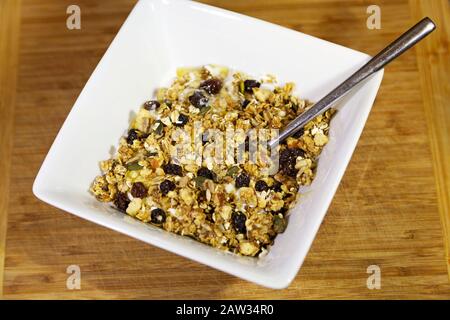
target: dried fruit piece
299 133
198 100
132 135
212 86
288 159
151 105
139 190
239 220
122 201
173 169
276 186
205 172
166 186
158 216
261 185
242 180
250 84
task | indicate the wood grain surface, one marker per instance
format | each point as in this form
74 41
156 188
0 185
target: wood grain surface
386 212
9 49
433 59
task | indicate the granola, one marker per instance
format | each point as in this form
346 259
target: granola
231 205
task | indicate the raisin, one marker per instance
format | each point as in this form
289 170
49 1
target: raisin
245 103
276 186
151 105
198 100
250 84
239 222
205 172
139 190
182 120
122 201
132 135
261 185
288 159
166 186
158 216
242 180
212 86
173 169
299 133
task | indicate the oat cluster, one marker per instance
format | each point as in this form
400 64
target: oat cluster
237 207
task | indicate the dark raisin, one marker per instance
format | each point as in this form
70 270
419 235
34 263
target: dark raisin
198 100
132 135
182 120
242 180
245 103
261 185
166 186
205 172
151 105
250 84
299 133
276 186
173 169
239 222
139 190
122 201
212 86
158 216
288 158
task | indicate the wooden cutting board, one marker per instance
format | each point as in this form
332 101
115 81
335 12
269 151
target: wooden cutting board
385 212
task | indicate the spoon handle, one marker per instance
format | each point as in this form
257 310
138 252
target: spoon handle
392 51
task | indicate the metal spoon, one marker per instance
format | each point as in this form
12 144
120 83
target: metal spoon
392 51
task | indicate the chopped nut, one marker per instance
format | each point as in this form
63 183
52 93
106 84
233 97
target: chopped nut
134 206
248 248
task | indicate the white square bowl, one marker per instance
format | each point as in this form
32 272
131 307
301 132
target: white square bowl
161 35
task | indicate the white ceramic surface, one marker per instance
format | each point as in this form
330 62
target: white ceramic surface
161 35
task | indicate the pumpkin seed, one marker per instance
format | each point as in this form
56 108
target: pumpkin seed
279 224
132 166
233 171
204 110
